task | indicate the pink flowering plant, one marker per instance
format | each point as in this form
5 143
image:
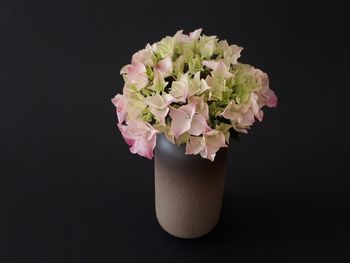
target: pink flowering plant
192 89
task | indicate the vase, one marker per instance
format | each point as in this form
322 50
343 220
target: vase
188 189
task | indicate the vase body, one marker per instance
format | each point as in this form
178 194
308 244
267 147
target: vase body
188 189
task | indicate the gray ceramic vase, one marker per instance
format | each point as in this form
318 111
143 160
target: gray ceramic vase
188 189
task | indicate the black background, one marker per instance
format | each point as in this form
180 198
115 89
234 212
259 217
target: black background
72 192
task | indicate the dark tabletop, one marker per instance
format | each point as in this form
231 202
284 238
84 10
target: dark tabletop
70 191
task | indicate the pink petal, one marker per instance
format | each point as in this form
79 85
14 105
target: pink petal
221 71
264 79
231 112
202 107
181 121
240 129
155 101
247 119
165 67
179 89
138 127
124 69
198 126
158 106
137 68
271 98
182 38
236 53
210 64
258 113
144 147
167 98
143 56
210 153
160 114
195 34
215 138
129 138
120 102
195 145
140 136
189 109
136 75
204 111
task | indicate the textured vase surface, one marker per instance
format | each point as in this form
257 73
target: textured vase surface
188 189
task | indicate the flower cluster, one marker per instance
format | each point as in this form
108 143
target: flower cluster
192 89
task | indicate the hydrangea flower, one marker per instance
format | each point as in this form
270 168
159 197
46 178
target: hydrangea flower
192 89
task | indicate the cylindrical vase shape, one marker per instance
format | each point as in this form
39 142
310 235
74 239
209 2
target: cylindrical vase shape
188 189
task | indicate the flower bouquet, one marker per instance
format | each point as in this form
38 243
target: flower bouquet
191 91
